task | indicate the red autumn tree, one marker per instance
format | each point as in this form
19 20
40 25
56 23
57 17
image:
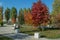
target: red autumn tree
39 13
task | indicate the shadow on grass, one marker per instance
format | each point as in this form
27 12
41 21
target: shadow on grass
52 28
30 31
42 36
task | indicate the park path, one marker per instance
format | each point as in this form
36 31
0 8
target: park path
21 36
7 29
9 32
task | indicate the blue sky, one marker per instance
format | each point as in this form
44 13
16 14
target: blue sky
24 3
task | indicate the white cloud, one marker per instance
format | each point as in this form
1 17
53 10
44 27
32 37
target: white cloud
0 3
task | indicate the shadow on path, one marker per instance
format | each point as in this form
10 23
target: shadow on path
16 35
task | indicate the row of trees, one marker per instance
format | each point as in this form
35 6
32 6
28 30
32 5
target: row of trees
23 17
8 14
11 14
37 15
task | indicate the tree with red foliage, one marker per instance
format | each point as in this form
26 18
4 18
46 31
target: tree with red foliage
39 13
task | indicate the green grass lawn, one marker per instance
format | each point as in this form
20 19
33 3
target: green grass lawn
51 33
48 33
5 38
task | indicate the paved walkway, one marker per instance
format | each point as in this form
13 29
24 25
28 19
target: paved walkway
8 31
21 36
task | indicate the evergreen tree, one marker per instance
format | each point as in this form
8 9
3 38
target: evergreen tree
13 14
7 14
21 17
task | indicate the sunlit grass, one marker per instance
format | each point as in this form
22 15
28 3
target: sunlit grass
47 33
